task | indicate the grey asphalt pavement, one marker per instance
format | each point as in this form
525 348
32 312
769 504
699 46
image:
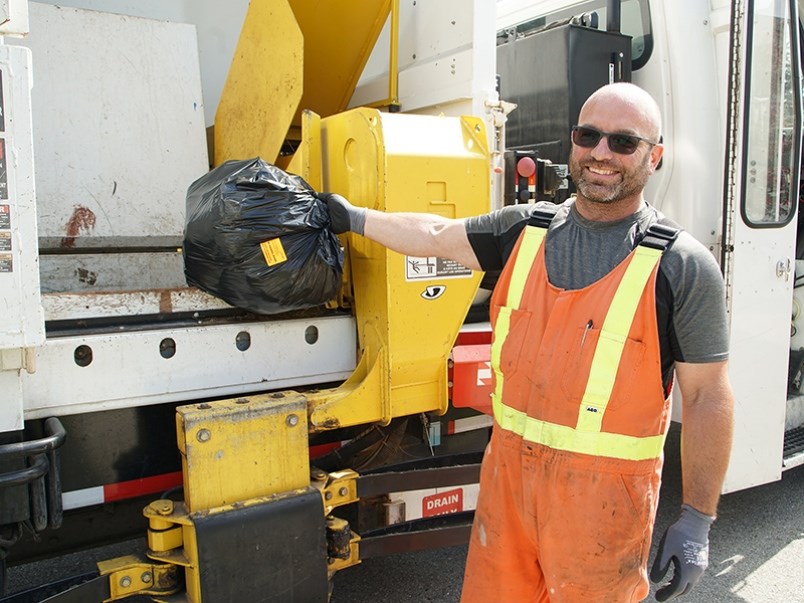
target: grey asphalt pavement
756 556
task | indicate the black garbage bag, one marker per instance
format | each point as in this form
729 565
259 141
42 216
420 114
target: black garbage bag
258 238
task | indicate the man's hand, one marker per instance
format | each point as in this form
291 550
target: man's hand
344 216
686 544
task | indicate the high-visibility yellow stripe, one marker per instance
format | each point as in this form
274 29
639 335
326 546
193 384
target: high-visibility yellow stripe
561 437
610 345
531 242
502 325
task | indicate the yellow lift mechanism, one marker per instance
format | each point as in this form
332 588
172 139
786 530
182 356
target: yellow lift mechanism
407 323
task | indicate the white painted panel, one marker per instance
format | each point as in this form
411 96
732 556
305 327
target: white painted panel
118 123
14 17
447 57
127 369
760 332
21 316
218 25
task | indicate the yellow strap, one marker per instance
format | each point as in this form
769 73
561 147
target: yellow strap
561 437
531 242
613 335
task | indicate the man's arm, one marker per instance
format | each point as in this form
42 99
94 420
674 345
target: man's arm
422 235
416 234
706 432
707 413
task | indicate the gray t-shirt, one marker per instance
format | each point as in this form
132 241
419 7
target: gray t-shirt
690 296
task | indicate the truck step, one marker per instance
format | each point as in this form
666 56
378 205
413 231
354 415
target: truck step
793 454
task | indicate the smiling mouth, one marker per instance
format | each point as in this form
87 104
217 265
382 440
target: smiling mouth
600 171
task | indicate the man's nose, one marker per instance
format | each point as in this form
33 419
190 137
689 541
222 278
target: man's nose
602 150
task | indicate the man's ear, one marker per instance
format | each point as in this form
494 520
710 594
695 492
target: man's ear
656 153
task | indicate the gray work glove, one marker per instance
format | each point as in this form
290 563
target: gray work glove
686 544
344 216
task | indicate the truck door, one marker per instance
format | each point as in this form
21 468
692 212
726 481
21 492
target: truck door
759 229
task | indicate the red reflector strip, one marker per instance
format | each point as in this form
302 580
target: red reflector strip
138 487
322 449
107 493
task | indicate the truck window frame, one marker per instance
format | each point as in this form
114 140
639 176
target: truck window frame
793 161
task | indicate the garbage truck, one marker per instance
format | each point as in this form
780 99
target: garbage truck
309 440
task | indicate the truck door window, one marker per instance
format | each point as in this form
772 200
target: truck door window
770 177
635 22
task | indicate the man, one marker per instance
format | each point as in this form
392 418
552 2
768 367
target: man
589 327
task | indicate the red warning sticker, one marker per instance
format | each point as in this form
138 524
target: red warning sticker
442 503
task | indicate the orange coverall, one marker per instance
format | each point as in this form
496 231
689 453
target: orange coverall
570 480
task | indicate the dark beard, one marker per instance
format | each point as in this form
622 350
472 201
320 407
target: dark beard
631 183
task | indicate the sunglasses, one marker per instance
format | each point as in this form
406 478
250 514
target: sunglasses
622 144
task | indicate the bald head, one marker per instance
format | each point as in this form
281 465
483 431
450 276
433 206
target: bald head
610 182
630 100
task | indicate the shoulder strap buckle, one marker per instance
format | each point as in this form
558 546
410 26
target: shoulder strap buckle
660 235
542 216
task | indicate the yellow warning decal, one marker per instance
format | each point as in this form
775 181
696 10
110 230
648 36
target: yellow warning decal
273 251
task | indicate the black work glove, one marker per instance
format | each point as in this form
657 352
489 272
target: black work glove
344 216
686 544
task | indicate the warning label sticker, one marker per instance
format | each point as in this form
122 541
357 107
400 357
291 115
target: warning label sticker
424 269
5 217
6 263
5 241
273 251
442 503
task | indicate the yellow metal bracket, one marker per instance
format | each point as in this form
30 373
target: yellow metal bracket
134 575
335 564
340 489
392 102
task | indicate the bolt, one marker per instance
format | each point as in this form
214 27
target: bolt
319 474
328 496
125 581
292 420
278 395
343 492
241 401
162 507
330 560
146 577
204 406
204 435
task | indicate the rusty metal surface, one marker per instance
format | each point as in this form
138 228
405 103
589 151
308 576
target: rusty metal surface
111 272
106 304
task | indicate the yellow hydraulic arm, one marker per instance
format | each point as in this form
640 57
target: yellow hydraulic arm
254 518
